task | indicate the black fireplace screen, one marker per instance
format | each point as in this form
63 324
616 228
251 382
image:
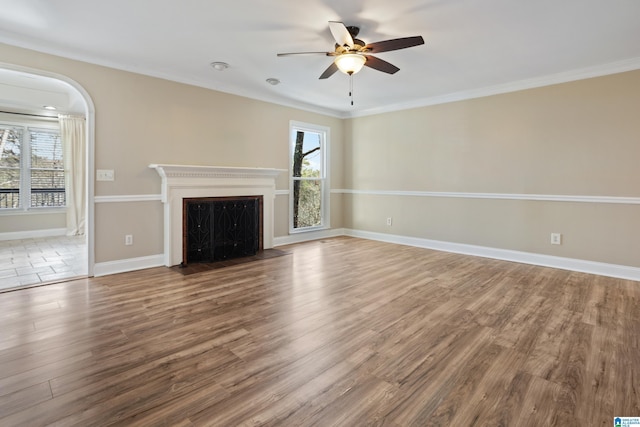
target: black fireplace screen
221 228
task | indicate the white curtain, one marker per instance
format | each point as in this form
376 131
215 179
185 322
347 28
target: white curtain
72 134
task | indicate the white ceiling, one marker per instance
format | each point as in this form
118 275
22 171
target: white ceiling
472 47
28 93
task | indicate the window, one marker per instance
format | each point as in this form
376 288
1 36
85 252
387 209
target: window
309 201
31 167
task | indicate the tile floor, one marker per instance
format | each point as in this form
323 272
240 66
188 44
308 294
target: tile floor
29 262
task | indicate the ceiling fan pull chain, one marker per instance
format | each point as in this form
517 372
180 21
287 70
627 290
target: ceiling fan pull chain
351 87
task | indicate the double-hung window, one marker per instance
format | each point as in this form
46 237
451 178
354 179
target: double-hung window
309 198
31 167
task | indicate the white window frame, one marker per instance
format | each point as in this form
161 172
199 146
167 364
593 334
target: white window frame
325 143
25 166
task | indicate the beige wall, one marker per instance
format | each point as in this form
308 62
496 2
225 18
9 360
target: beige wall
32 221
578 138
142 120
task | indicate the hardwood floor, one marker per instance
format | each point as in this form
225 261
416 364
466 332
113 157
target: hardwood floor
343 332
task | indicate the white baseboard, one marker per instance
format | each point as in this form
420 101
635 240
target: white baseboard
130 264
33 234
308 236
583 266
592 267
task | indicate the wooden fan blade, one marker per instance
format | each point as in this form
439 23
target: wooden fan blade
340 34
329 71
394 44
380 65
307 53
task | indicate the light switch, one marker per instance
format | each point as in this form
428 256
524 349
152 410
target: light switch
104 175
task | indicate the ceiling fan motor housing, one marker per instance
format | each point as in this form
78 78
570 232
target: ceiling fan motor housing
353 30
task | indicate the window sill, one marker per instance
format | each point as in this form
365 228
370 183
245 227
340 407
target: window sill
32 211
308 229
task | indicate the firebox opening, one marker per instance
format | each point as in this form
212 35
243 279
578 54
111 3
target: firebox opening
221 228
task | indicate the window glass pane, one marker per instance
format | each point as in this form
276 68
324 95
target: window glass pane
307 165
308 211
306 154
47 169
10 166
309 201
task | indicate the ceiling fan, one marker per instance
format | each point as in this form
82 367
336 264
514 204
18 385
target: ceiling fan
351 54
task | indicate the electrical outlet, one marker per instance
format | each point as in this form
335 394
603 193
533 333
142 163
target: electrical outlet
556 238
389 221
128 239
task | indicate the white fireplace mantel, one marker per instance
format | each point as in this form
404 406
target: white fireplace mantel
186 181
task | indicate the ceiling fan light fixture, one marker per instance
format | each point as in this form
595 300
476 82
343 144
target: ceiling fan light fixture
350 63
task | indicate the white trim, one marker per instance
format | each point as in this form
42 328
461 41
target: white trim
130 264
61 210
308 236
200 171
128 198
591 267
282 192
497 196
33 234
325 171
184 181
548 80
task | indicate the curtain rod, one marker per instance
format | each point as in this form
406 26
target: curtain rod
32 115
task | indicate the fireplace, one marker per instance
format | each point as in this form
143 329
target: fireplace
221 228
181 182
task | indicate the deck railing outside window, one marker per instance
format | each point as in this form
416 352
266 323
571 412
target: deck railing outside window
40 198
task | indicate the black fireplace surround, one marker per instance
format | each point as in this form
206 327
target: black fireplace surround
221 228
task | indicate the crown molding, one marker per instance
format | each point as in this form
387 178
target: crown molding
630 64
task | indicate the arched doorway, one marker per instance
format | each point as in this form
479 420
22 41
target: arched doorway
25 93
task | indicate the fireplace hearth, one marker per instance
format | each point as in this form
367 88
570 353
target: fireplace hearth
221 228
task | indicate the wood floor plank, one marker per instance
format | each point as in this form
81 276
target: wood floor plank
88 401
561 349
177 411
43 373
428 382
288 409
498 398
453 395
339 332
359 405
545 404
524 327
24 398
266 380
129 359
